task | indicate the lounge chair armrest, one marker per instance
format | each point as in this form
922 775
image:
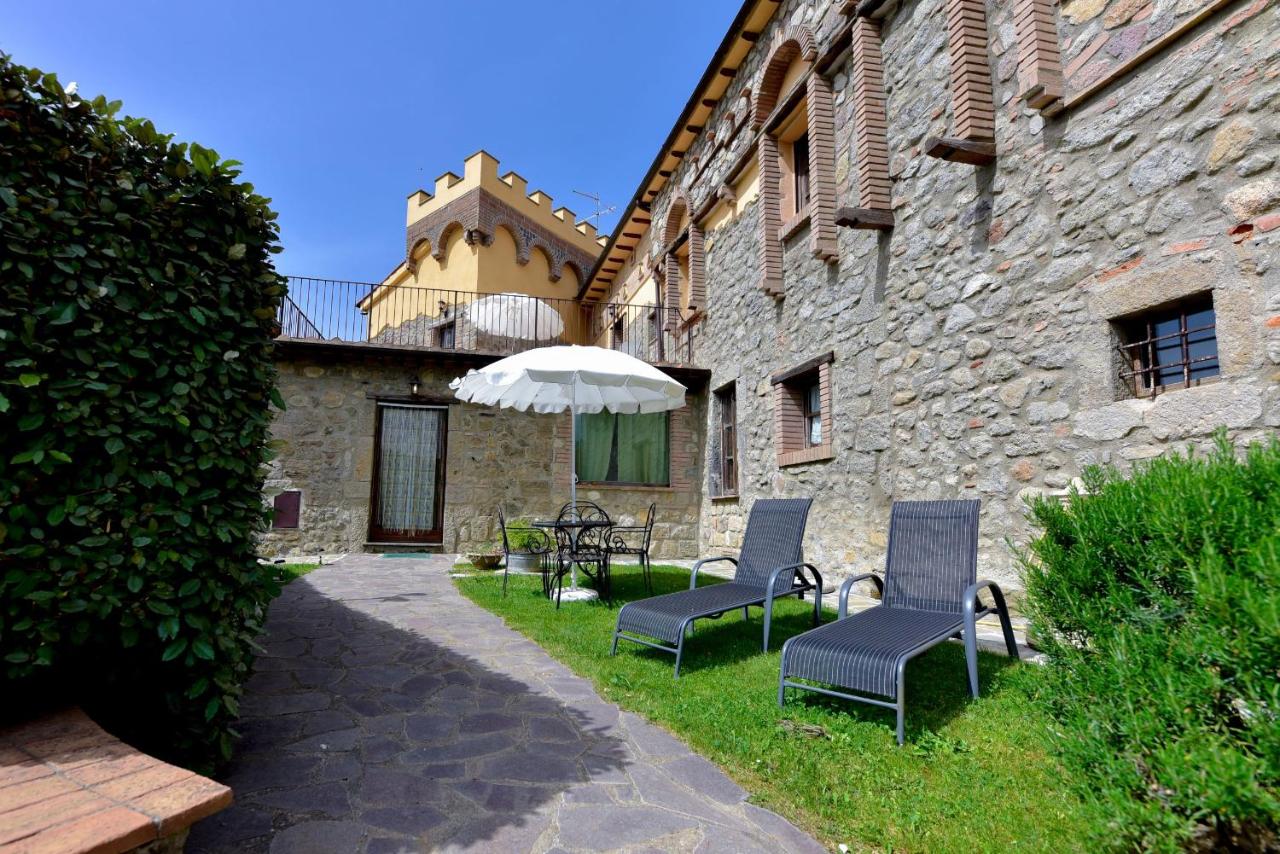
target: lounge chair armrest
773 576
972 611
972 607
848 585
693 576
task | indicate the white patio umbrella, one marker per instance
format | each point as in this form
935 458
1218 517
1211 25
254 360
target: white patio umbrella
574 379
515 316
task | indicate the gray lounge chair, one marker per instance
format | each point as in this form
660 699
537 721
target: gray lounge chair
771 565
929 594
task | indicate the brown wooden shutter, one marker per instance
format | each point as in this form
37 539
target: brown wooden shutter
287 505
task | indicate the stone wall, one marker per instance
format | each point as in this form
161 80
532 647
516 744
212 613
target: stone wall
974 348
324 443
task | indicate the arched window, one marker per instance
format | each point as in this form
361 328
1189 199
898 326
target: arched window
684 270
796 154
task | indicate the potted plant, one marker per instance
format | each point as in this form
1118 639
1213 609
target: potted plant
486 555
525 542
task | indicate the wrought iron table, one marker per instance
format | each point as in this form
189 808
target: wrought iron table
575 528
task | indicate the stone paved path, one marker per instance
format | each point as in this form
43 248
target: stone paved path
390 714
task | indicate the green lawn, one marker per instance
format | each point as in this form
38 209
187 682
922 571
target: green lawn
296 570
974 775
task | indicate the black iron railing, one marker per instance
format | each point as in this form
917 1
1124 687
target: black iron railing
500 324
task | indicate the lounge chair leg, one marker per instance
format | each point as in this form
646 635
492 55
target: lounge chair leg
1010 642
782 678
679 654
746 612
614 649
971 657
902 702
768 618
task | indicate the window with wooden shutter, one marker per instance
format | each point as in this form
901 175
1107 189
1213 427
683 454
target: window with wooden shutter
287 507
802 416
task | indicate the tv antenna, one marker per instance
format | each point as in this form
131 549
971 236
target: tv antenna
599 211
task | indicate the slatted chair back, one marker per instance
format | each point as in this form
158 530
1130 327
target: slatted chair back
932 556
586 511
648 526
774 538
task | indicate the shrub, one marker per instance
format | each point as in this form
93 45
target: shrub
135 339
523 537
1157 598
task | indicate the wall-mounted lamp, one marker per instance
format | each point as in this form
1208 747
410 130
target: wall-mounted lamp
413 386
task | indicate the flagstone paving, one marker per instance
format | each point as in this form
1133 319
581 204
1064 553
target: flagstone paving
390 714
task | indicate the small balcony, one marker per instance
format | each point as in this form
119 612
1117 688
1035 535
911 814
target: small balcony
333 311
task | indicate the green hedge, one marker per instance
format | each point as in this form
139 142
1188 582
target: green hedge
1158 599
136 314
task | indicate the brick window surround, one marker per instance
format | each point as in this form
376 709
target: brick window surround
1039 55
796 44
973 115
870 125
689 241
1168 347
791 437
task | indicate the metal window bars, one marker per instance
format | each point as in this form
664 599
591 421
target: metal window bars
1150 368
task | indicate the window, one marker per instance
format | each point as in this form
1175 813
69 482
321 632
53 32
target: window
802 412
447 335
813 415
619 337
615 448
726 442
800 159
1175 346
287 506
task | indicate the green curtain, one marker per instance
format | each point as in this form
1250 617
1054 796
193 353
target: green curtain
594 446
643 452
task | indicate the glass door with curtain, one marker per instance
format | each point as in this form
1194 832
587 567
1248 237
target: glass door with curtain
408 479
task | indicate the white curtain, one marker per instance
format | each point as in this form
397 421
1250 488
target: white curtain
409 444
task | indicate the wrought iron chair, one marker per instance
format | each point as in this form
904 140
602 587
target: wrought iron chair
584 548
543 549
633 540
929 595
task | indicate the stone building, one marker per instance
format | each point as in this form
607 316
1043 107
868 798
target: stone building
372 450
919 245
906 249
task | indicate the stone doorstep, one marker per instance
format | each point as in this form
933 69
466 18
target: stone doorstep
69 787
322 559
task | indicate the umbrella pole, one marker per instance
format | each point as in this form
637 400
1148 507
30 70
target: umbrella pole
573 472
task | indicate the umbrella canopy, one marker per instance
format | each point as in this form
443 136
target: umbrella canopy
515 316
571 378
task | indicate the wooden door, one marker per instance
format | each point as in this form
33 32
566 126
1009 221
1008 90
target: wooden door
407 504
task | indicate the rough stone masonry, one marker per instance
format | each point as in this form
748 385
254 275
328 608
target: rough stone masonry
975 343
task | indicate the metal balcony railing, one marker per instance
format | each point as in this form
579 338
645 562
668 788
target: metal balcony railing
496 324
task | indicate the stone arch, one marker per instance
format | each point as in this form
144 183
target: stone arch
547 254
680 210
441 243
517 237
796 43
575 270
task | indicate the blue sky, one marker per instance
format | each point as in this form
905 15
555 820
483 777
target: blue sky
339 111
